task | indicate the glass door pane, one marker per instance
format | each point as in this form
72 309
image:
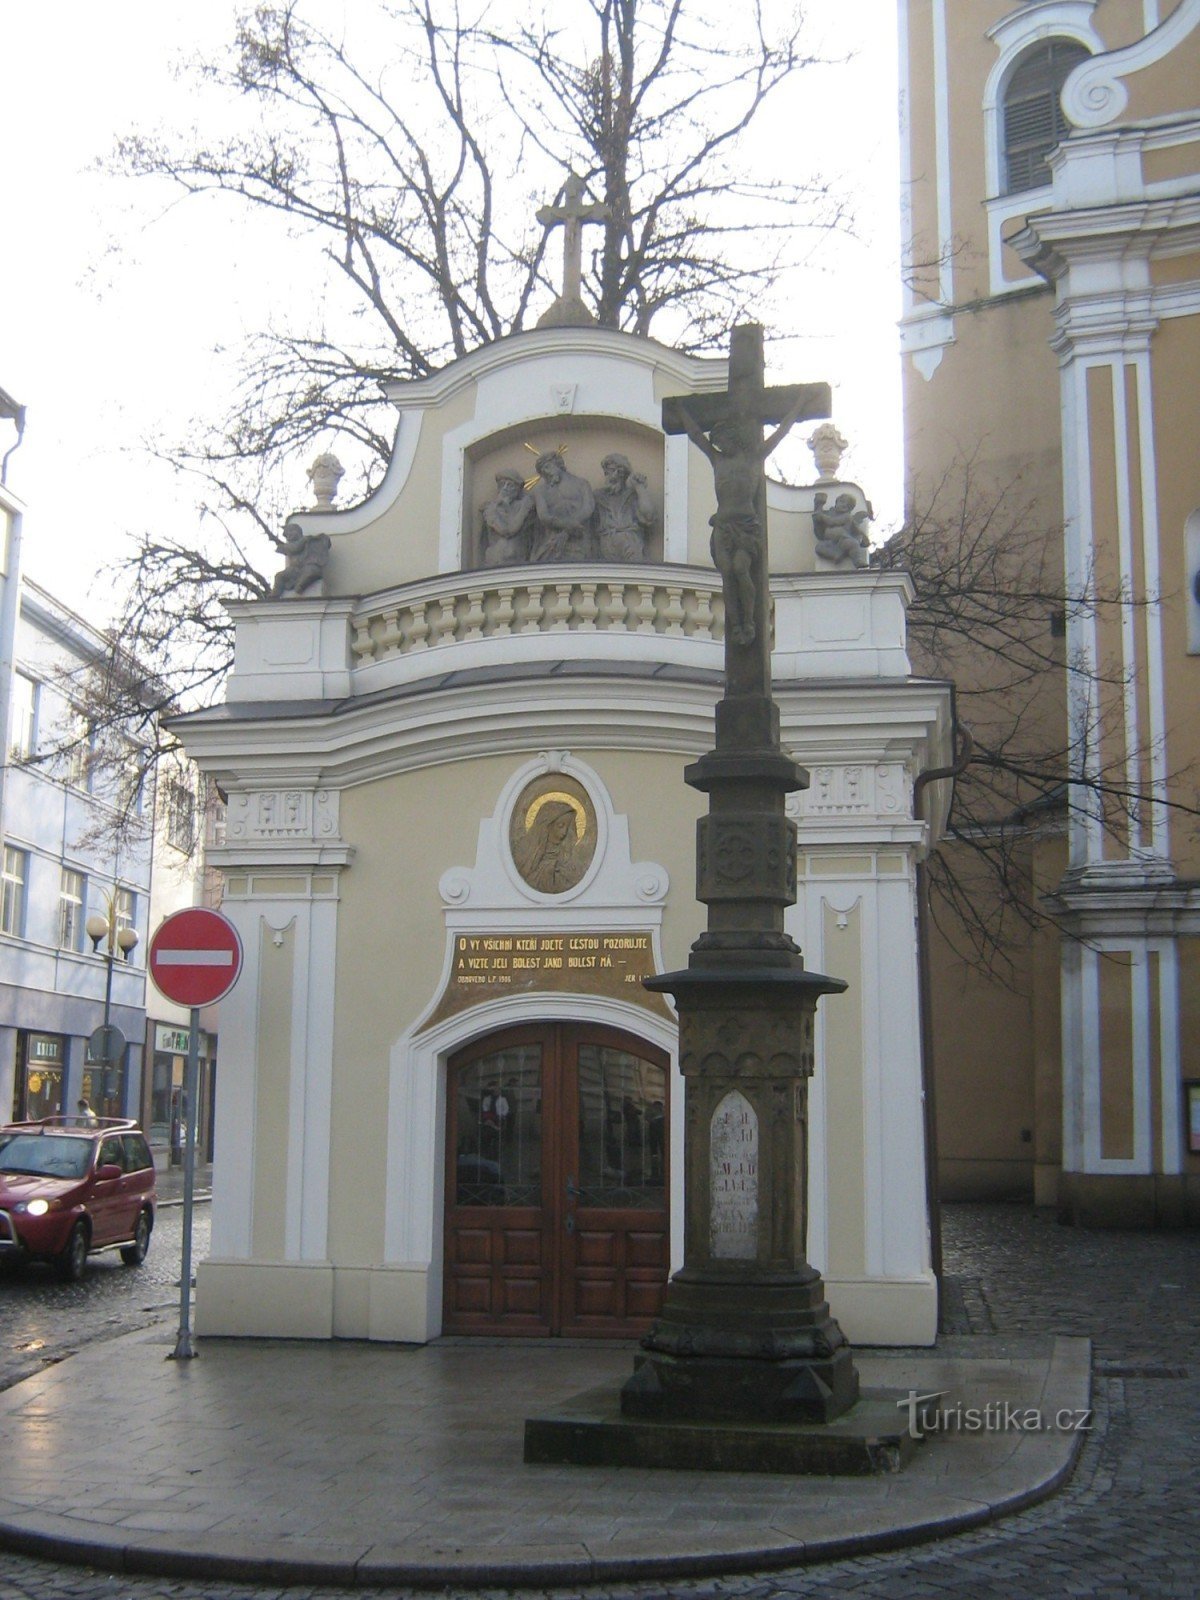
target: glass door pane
622 1102
498 1150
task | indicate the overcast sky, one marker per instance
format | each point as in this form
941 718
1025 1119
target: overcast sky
112 308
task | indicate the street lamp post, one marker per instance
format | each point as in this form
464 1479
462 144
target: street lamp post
116 938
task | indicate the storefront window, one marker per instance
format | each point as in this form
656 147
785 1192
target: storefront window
39 1079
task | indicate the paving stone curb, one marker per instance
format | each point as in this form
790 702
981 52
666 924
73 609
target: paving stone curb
952 1509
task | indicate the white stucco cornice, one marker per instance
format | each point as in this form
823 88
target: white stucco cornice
1056 241
697 374
1095 93
508 716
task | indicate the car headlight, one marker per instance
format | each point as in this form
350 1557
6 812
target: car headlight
36 1208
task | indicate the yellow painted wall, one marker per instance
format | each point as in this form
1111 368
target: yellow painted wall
408 830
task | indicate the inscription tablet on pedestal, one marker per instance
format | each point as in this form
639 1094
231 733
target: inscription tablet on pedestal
733 1179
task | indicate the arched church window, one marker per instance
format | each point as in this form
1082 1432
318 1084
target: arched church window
1034 123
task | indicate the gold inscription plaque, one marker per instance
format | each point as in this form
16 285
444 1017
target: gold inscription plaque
488 965
552 833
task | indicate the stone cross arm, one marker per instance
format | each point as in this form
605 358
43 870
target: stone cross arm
572 213
800 402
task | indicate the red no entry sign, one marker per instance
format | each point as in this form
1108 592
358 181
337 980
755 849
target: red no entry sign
195 957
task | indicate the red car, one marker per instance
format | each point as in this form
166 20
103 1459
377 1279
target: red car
69 1186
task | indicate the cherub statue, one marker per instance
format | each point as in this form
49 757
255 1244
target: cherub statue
841 531
304 559
506 521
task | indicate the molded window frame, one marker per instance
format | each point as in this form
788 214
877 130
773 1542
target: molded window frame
1014 36
14 890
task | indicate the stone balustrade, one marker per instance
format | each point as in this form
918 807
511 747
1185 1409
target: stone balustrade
827 625
469 607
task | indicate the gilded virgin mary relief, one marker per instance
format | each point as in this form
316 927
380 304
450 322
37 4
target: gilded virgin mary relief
552 833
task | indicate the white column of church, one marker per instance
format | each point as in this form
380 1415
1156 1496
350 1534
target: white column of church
237 1095
311 1094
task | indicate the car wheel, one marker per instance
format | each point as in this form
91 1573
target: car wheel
71 1262
134 1254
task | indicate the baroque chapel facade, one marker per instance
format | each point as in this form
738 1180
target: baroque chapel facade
458 838
1051 337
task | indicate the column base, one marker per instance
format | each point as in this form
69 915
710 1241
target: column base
743 1351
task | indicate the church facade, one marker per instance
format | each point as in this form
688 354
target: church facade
458 838
1052 195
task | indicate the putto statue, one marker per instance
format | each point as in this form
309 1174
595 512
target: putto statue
304 559
565 507
507 522
624 510
840 530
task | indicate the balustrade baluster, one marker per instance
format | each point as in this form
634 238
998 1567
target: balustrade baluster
560 611
531 610
587 610
418 633
502 619
362 646
474 619
704 625
391 638
446 621
614 606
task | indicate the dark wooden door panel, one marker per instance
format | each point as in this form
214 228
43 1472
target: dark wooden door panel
556 1185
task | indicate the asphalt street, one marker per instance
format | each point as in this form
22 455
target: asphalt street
1125 1527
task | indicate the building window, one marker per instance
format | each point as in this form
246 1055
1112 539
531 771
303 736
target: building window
1034 124
24 717
13 878
125 911
71 901
181 814
79 756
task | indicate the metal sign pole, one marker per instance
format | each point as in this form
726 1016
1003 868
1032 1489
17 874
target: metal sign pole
185 1345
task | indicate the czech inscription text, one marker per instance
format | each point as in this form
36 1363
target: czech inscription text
488 965
733 1179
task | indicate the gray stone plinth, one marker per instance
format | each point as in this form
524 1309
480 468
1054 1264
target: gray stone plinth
590 1430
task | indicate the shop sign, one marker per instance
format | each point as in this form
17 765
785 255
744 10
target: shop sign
45 1047
173 1041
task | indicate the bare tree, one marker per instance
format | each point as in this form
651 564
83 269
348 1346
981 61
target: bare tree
991 614
409 156
418 180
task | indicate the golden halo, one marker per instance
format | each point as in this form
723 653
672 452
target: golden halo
568 800
559 450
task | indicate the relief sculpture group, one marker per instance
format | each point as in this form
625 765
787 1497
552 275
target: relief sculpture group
558 516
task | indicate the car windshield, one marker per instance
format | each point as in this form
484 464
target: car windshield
46 1155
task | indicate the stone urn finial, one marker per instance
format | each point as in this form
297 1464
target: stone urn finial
325 474
827 445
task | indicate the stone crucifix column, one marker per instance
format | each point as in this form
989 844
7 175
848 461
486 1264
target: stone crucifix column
745 1333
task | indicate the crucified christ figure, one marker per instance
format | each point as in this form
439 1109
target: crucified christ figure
737 450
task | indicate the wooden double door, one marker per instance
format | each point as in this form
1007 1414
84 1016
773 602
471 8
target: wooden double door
556 1183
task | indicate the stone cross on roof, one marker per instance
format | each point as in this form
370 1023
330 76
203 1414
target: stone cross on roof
572 211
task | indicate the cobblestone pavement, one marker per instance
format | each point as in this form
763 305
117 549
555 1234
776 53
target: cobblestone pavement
1127 1526
43 1321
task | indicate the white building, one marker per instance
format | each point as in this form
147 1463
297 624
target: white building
67 856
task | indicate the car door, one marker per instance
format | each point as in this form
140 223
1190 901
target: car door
139 1177
108 1202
